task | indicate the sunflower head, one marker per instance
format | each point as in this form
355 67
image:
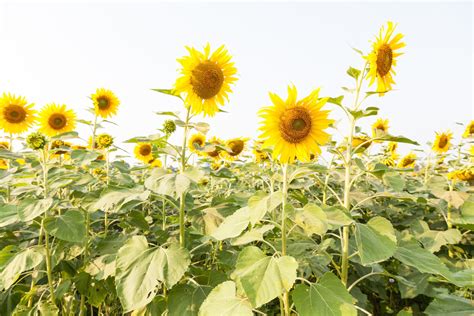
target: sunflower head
206 79
169 127
442 142
215 153
4 145
236 147
469 131
56 119
3 164
361 142
380 128
104 141
383 58
105 103
258 153
466 174
392 147
144 152
16 115
196 143
388 161
155 163
295 128
407 161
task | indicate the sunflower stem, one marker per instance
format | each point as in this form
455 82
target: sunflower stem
94 131
284 168
183 194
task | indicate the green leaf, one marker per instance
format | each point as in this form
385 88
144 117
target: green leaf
450 305
168 92
327 297
71 226
259 205
353 72
394 181
262 277
6 154
399 139
252 235
312 219
8 215
25 260
433 240
336 217
113 199
223 300
337 101
181 183
375 240
233 225
185 299
139 269
30 208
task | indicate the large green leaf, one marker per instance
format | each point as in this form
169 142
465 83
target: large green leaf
262 277
8 215
328 297
450 305
23 261
71 226
254 234
394 181
233 225
185 299
139 269
312 219
223 301
113 199
30 208
375 240
259 205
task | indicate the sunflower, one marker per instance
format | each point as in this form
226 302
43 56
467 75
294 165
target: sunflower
380 128
196 143
466 174
16 115
469 132
295 128
103 141
105 103
236 146
4 145
206 79
361 141
382 59
144 152
442 142
155 163
3 164
388 161
392 147
215 153
259 154
56 119
471 152
407 161
60 147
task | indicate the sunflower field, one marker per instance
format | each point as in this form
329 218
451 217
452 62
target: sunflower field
290 223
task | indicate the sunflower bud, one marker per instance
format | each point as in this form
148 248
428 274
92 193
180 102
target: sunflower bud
169 127
104 141
36 141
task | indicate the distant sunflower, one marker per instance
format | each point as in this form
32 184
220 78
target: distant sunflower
380 128
442 142
56 119
407 161
105 103
155 163
466 174
215 153
196 143
382 59
392 147
361 141
236 146
469 132
3 164
258 153
60 147
144 152
206 79
388 161
16 115
295 128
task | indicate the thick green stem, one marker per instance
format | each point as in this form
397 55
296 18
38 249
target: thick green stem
183 194
284 167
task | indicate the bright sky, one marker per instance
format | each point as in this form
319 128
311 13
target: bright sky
53 52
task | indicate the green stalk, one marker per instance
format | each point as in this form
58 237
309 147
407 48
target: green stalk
94 131
284 168
183 167
107 179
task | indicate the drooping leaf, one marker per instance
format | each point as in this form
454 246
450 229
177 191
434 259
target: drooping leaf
8 215
223 300
29 208
23 261
259 205
233 225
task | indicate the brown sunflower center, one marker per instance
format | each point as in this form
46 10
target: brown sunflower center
215 152
471 129
384 60
236 147
207 79
380 127
14 114
408 161
295 124
443 141
103 103
145 150
197 143
57 121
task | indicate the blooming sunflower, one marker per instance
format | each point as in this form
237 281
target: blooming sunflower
144 152
442 142
155 163
206 79
215 153
469 132
60 147
236 146
380 128
4 145
382 59
392 147
466 174
295 128
16 115
407 161
196 143
105 103
361 141
3 164
259 154
56 119
103 141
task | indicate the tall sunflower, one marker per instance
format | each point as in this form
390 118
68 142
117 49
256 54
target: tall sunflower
295 128
105 103
206 79
196 143
382 59
442 142
236 146
16 115
469 131
56 119
144 152
408 161
380 128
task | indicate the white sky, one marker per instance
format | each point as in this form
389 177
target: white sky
53 52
